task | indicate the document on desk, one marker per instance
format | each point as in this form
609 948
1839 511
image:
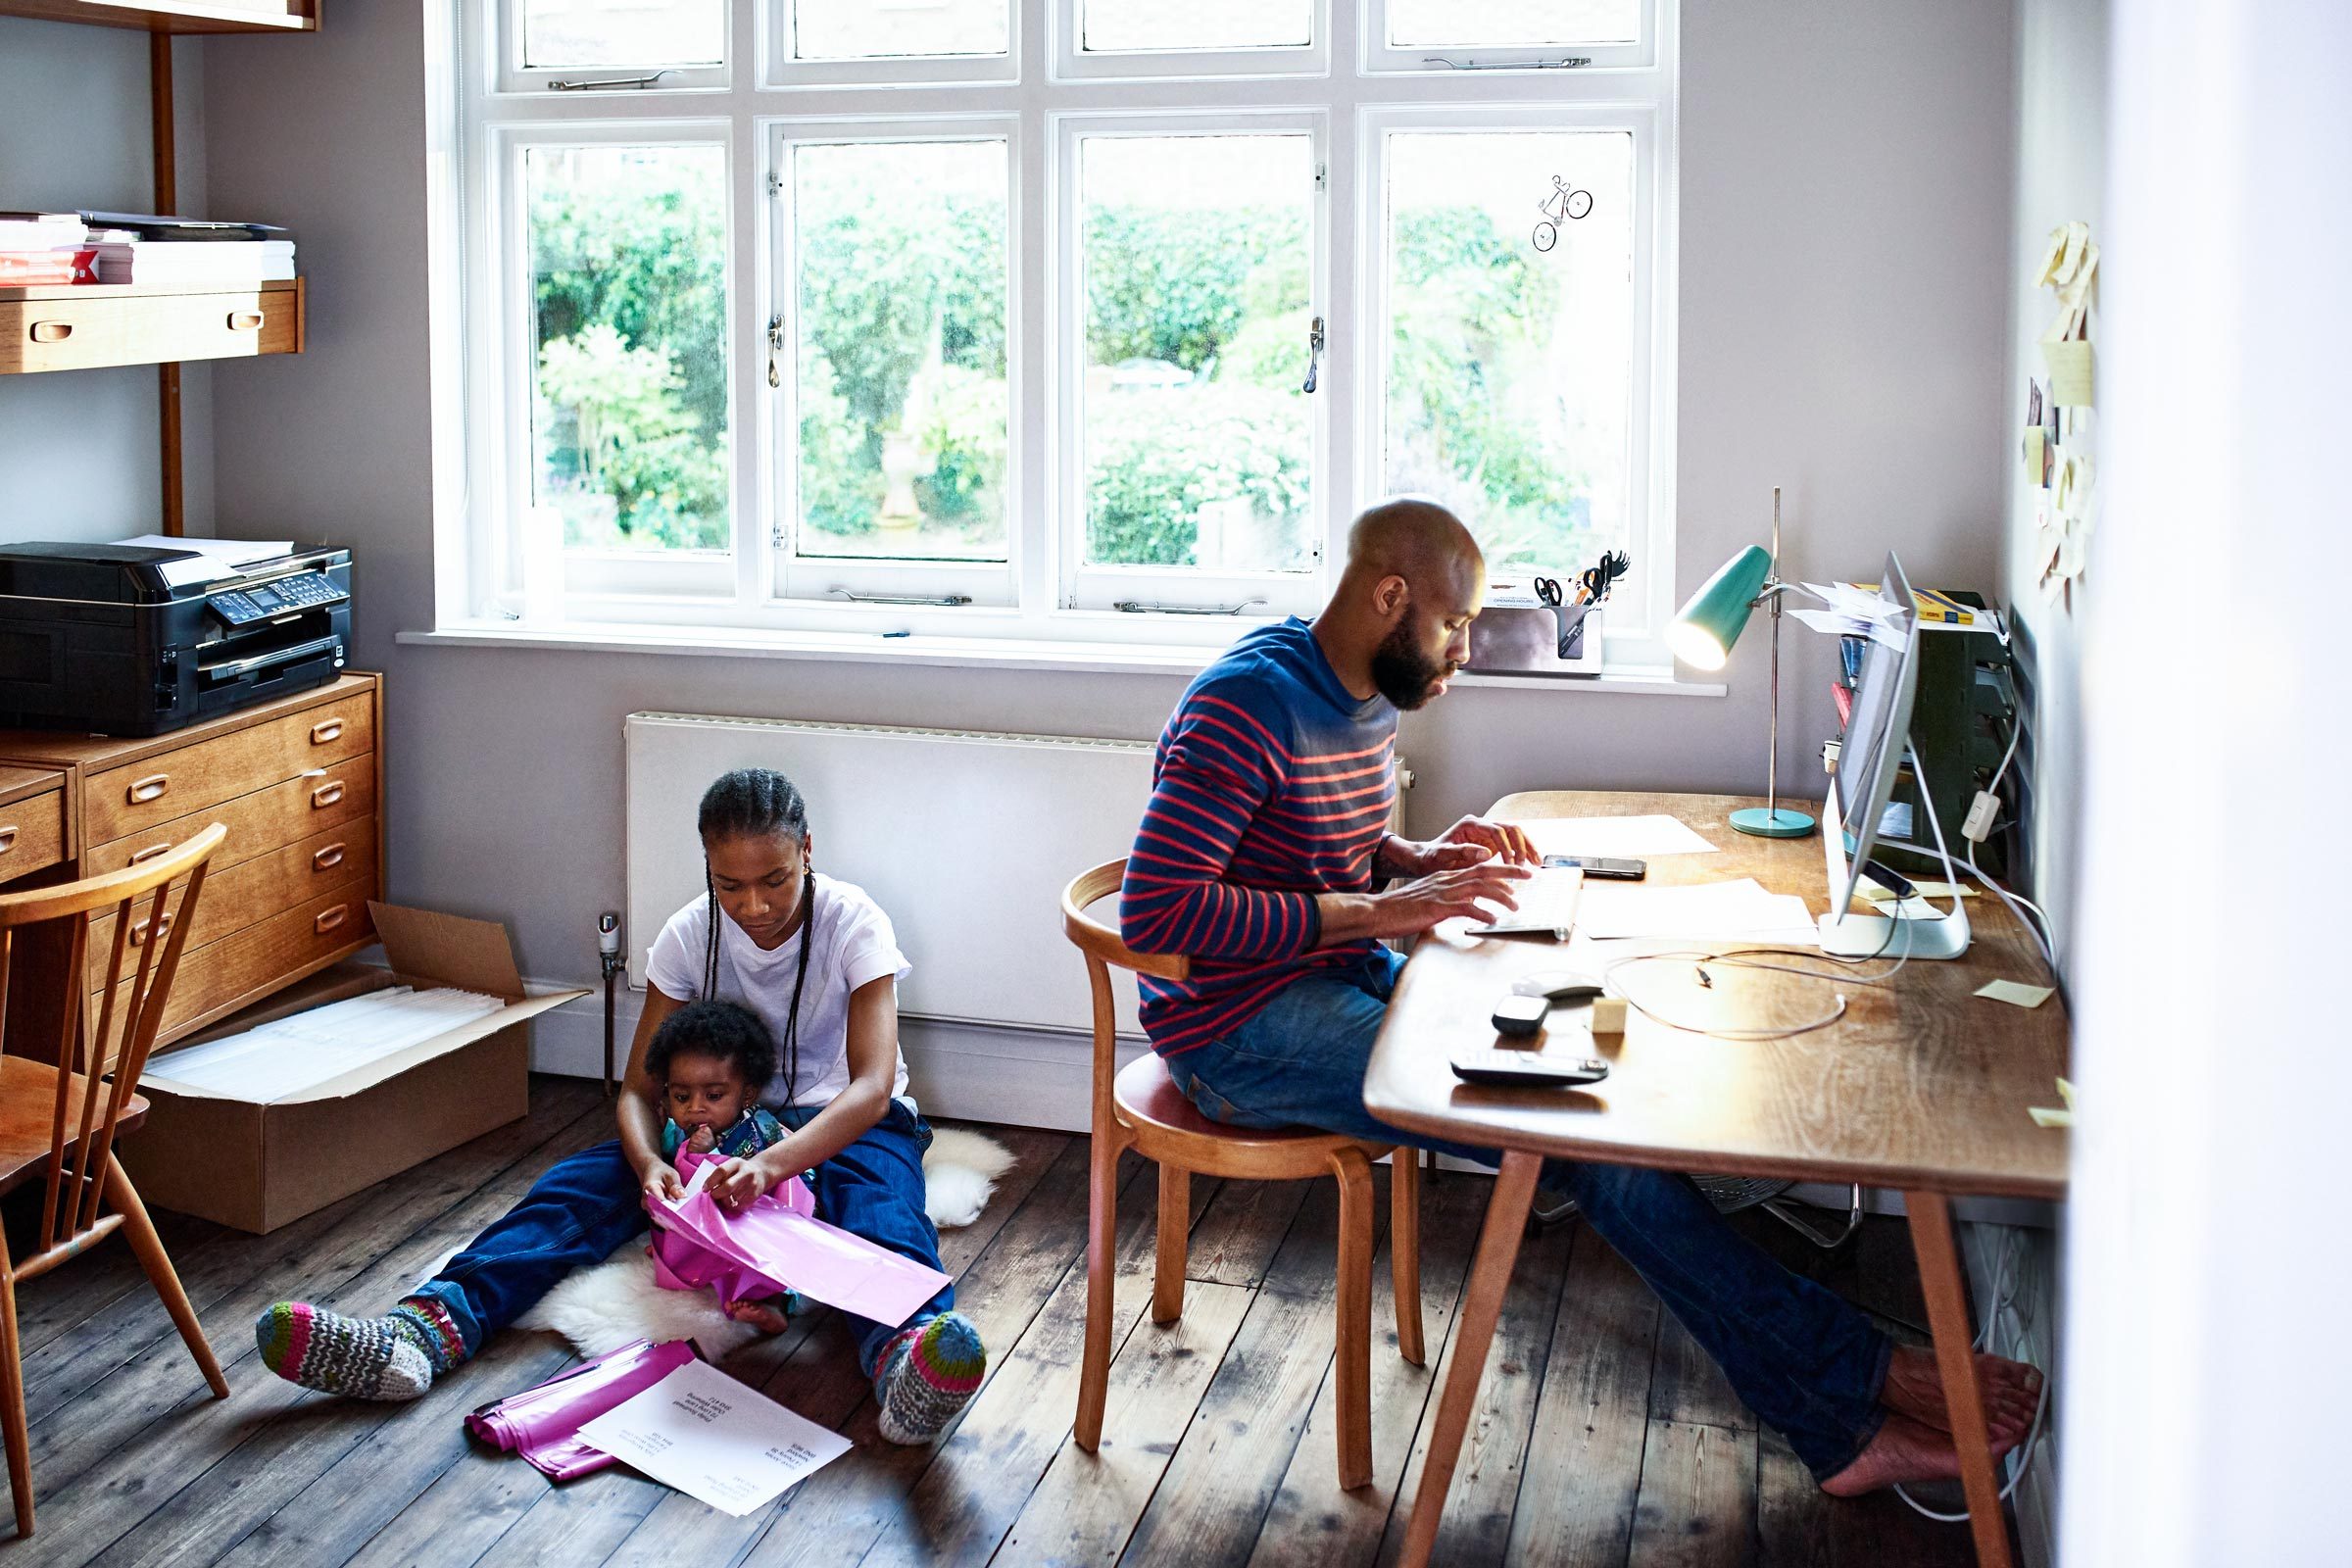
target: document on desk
711 1438
1626 838
1737 910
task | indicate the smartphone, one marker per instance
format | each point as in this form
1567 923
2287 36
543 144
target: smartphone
1600 866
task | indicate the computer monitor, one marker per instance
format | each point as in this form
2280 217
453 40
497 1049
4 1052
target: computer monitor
1877 734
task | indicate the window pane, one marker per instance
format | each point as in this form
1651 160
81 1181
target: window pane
1510 390
1199 449
628 292
623 32
1432 24
900 349
883 29
1112 25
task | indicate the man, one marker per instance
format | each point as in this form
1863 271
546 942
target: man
1265 858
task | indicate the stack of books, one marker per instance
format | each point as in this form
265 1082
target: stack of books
44 248
135 248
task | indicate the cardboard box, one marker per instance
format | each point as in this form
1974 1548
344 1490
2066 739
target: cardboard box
259 1166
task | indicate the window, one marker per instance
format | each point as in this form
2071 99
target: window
817 316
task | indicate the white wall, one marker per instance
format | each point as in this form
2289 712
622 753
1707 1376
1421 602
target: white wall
1845 242
2208 1255
80 453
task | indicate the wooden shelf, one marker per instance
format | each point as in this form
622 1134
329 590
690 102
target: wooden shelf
176 16
87 326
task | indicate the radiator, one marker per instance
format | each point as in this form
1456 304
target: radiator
966 840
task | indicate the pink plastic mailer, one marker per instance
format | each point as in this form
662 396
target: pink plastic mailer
543 1423
776 1243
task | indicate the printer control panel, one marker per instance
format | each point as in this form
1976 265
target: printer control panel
281 596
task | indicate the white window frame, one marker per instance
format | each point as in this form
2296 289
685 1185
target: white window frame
502 27
1104 587
822 579
780 73
488 579
1649 489
1073 62
1507 61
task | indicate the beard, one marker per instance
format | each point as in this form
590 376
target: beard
1403 672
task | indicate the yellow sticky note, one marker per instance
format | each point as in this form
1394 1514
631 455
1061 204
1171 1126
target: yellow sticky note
2066 1092
2070 371
2050 1116
2034 438
2020 996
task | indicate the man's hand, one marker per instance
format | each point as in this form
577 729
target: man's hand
661 1180
1408 909
737 1184
1472 841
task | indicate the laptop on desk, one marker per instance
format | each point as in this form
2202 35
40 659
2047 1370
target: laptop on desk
1547 904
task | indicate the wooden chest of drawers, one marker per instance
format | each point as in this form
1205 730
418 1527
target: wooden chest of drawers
296 781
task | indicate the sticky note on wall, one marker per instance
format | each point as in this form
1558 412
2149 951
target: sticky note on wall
2070 373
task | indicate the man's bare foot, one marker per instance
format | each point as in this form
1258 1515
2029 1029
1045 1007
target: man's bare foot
1904 1450
2012 1390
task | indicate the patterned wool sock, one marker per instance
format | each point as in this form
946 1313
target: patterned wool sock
391 1357
927 1374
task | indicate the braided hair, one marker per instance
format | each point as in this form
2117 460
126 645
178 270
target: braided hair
759 802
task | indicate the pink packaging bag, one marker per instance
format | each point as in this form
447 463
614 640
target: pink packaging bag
543 1423
780 1242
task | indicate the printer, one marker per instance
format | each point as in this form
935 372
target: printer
142 638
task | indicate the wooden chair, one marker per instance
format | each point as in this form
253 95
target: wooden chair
1140 1108
61 1125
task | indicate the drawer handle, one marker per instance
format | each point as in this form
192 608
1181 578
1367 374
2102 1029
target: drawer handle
8 838
327 731
244 321
328 858
329 920
326 794
150 788
52 331
150 853
139 932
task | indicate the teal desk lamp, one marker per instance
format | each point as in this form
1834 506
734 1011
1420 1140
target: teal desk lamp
1701 636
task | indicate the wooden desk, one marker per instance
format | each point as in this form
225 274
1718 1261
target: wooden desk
1921 1086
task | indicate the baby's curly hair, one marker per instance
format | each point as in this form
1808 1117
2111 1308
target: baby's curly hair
727 1030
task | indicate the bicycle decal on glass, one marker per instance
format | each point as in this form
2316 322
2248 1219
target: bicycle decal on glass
1562 205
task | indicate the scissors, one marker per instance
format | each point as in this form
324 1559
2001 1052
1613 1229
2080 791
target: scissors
1548 590
1596 581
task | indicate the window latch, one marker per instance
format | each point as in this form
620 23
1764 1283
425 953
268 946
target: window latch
1571 62
775 346
1138 606
607 81
949 601
1314 353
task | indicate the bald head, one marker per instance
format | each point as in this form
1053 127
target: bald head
1417 540
1398 619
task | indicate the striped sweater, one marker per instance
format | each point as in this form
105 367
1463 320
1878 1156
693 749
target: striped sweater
1271 784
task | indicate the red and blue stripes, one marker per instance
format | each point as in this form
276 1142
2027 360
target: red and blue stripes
1272 785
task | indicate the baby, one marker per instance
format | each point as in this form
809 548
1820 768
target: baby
713 1058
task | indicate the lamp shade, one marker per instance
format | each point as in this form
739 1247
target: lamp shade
1711 620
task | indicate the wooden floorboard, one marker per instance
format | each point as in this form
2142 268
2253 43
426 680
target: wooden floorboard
1604 1438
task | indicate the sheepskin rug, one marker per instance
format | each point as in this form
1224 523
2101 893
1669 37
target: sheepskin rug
601 1308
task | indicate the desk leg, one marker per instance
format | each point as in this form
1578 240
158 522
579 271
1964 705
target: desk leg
1473 1335
1955 1358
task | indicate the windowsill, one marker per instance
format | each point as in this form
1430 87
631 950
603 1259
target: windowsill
869 647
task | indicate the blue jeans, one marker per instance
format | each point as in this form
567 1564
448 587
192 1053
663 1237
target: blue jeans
1803 1359
587 1205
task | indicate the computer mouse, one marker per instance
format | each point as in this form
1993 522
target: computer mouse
1560 985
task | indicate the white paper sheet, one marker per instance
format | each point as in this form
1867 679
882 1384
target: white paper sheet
710 1436
271 1061
216 558
1631 838
1739 909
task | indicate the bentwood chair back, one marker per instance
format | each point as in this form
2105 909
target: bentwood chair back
62 1109
1140 1108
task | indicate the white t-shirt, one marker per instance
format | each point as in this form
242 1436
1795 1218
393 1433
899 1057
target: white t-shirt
854 946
